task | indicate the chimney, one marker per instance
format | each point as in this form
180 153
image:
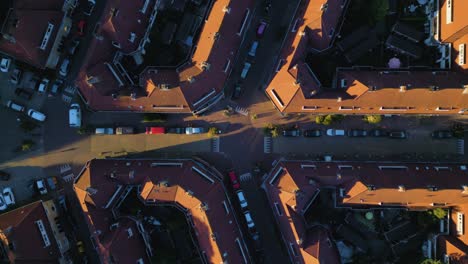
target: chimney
465 189
465 89
191 79
401 188
403 88
339 99
227 9
130 232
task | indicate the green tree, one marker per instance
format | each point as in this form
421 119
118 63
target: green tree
212 131
439 213
154 117
378 10
319 119
373 119
27 125
430 261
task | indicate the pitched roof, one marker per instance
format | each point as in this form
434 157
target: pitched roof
25 27
184 183
217 44
378 184
21 231
425 92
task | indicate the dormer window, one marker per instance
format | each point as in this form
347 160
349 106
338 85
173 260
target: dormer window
116 44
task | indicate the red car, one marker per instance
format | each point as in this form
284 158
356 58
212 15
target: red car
261 29
81 27
234 181
155 130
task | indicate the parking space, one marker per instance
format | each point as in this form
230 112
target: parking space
107 145
419 142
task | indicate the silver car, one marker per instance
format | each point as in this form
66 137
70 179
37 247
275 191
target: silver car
194 130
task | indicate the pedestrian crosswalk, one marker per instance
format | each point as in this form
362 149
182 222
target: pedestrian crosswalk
267 145
70 89
242 111
65 168
215 144
461 146
67 99
245 177
69 177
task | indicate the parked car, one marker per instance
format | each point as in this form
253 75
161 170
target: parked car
176 130
397 134
42 88
357 133
36 115
3 205
5 64
248 219
73 47
89 7
124 130
234 181
441 134
194 130
41 188
261 29
253 49
15 106
313 133
378 133
291 132
104 131
245 70
64 67
155 130
4 176
25 94
241 198
74 115
15 76
56 87
335 132
8 196
236 94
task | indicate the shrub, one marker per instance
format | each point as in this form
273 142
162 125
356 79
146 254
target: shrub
27 145
254 116
271 130
373 119
319 119
154 117
328 119
275 132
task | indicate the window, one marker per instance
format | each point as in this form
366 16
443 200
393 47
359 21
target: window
275 95
461 54
244 21
225 207
449 10
46 37
226 65
295 26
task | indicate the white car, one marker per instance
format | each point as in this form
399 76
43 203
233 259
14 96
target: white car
41 187
8 196
104 131
5 64
75 115
36 115
43 85
335 132
245 70
64 67
194 130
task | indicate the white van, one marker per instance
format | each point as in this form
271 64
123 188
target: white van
242 201
15 106
75 115
36 115
253 49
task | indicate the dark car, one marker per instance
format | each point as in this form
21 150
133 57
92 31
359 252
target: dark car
378 133
23 93
234 181
236 94
261 29
4 176
397 134
357 133
81 26
89 7
441 134
313 133
56 87
176 130
291 132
